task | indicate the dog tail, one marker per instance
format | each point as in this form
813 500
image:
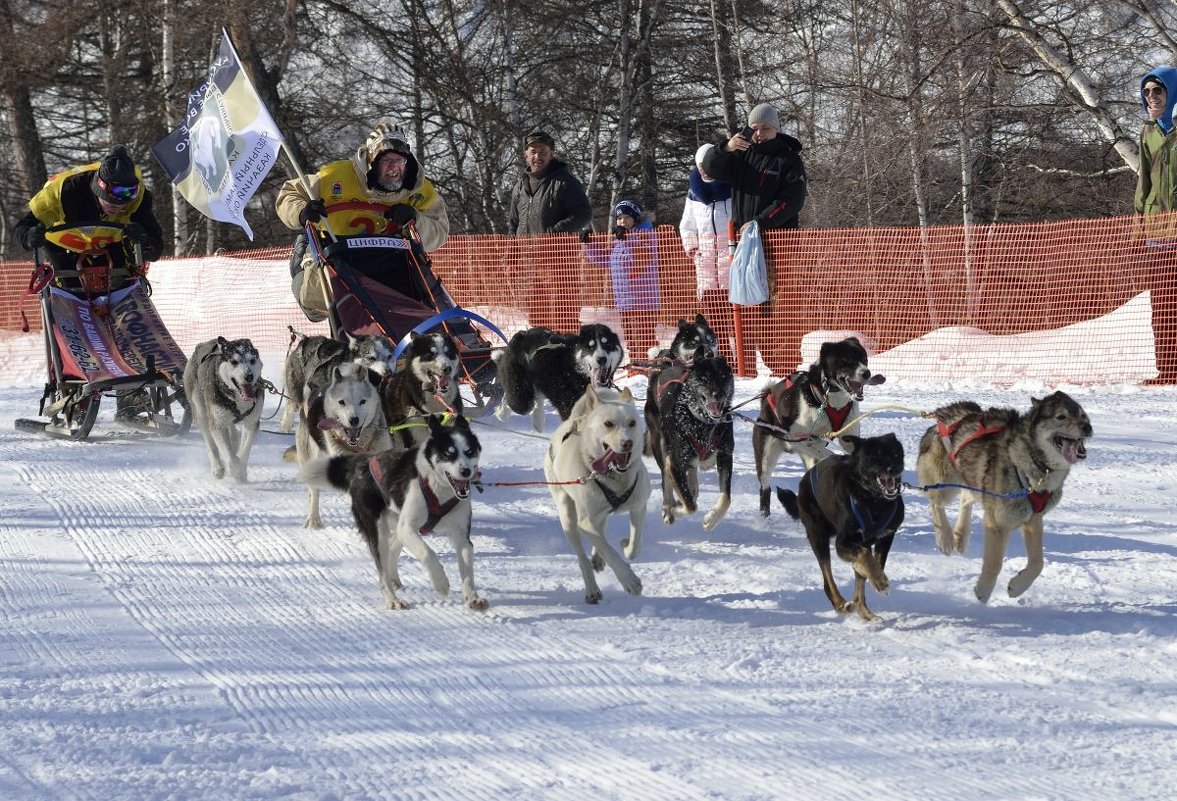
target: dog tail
290 454
518 393
788 499
331 473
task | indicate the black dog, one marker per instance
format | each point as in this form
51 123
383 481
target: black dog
689 426
540 363
693 341
855 501
798 411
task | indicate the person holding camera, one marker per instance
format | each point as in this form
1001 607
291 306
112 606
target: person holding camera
631 256
769 185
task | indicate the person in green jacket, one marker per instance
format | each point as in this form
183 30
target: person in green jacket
1156 194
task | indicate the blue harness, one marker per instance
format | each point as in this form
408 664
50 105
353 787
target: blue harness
869 528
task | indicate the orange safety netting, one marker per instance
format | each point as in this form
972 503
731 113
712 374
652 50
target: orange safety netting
893 286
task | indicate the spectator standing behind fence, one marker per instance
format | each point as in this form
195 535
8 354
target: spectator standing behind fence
1156 193
703 229
548 199
631 256
769 186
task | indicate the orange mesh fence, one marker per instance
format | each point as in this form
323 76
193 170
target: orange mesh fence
1056 302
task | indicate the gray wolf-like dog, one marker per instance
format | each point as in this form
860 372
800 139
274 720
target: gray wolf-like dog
310 362
1014 464
345 416
692 341
225 391
601 440
797 412
853 501
400 496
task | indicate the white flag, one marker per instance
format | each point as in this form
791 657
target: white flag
226 145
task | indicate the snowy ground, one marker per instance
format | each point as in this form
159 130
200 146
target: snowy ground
168 636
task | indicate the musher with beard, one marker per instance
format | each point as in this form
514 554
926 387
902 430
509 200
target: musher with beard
382 171
548 199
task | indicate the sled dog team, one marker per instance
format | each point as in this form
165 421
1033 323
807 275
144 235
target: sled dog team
415 481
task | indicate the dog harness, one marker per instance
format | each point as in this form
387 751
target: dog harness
836 416
703 452
614 500
871 529
436 509
1038 498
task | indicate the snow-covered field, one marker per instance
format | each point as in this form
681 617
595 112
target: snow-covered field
168 636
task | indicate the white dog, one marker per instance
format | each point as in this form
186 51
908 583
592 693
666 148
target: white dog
601 440
225 391
346 416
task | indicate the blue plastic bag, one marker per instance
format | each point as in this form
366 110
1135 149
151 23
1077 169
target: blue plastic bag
749 275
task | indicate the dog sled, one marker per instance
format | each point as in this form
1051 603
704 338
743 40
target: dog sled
103 337
383 283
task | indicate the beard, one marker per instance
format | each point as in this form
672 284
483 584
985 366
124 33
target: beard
391 187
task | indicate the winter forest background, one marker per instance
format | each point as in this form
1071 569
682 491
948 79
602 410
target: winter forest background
912 112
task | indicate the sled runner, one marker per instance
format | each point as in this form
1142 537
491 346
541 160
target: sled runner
103 336
383 283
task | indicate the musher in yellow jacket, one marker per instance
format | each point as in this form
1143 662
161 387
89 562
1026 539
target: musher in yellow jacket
383 172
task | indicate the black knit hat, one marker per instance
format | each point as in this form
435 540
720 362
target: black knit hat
539 136
115 180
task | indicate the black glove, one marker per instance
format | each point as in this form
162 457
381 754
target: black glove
618 232
584 235
313 211
34 237
400 214
136 232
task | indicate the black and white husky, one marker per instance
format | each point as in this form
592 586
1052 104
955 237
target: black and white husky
398 497
426 384
797 412
310 362
345 416
539 363
693 340
225 391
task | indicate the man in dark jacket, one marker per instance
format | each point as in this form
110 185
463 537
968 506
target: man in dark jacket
769 186
548 199
110 191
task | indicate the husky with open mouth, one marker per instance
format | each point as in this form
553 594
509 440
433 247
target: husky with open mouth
399 497
225 390
1014 464
601 443
540 363
854 502
426 384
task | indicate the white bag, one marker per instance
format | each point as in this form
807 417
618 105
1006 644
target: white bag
749 274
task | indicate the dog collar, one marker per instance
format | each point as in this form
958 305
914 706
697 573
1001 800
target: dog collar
437 510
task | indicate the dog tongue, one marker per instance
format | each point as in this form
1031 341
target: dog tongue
609 460
876 379
247 391
443 383
1073 450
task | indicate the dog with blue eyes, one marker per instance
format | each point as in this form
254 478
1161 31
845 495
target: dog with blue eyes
400 497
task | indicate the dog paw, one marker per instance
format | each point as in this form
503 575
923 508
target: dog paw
631 584
712 518
218 472
477 603
631 551
867 614
598 561
393 602
881 583
593 597
982 593
667 515
312 521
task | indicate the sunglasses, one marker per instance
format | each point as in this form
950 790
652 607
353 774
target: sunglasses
120 193
1153 90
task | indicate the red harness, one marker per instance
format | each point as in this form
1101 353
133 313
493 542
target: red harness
436 509
837 417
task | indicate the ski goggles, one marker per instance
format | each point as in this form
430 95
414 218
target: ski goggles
119 193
